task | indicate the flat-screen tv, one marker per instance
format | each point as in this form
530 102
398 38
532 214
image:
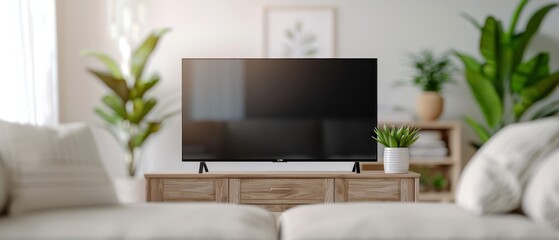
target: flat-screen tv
279 109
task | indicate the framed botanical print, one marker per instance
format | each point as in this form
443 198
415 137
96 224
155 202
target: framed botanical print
299 32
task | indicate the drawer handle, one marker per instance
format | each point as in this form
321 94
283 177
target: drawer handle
280 189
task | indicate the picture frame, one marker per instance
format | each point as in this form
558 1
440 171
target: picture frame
299 32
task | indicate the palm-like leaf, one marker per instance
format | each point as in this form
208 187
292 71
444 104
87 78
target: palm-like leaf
536 92
144 51
527 74
395 137
484 92
127 109
116 104
516 85
522 40
110 63
141 87
117 85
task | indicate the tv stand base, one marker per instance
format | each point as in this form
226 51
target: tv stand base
278 191
356 168
203 167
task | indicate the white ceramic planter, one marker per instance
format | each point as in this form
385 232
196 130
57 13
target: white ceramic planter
130 190
396 160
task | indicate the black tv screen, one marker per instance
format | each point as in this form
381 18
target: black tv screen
279 109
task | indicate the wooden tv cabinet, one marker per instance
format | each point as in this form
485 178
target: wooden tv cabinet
278 191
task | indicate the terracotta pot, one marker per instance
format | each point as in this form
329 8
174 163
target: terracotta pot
429 106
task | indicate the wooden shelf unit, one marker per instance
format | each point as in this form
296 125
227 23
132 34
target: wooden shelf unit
450 166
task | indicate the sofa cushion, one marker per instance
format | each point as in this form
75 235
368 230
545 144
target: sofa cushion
53 167
493 180
541 198
386 221
144 221
3 189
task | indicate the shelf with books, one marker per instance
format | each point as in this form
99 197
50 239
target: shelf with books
437 156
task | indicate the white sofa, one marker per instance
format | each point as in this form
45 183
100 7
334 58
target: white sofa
432 221
56 189
142 221
353 221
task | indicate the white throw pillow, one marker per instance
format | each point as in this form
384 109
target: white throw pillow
493 180
53 167
541 198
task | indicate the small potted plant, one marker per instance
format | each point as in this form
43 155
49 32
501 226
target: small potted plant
396 141
431 73
440 182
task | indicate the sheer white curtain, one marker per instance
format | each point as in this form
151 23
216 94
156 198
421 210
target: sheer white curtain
28 62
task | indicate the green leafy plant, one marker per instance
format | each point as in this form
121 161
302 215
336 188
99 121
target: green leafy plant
439 182
396 137
127 106
431 72
502 83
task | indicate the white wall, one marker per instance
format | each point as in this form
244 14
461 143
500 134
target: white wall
385 29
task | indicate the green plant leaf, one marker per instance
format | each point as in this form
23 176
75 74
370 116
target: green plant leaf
491 50
482 133
111 64
412 141
490 43
483 90
538 91
144 133
394 137
116 104
472 20
117 85
140 109
431 72
141 87
143 52
109 118
516 16
380 137
527 74
521 41
392 141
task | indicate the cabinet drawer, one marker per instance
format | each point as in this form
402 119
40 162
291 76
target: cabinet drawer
194 190
373 190
285 191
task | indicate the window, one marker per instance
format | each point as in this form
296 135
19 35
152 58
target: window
28 90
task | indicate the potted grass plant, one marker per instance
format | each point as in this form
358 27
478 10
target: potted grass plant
431 73
396 141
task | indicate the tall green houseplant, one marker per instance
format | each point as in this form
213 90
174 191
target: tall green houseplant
505 85
127 106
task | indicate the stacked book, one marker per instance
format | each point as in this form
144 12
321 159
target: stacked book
429 146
